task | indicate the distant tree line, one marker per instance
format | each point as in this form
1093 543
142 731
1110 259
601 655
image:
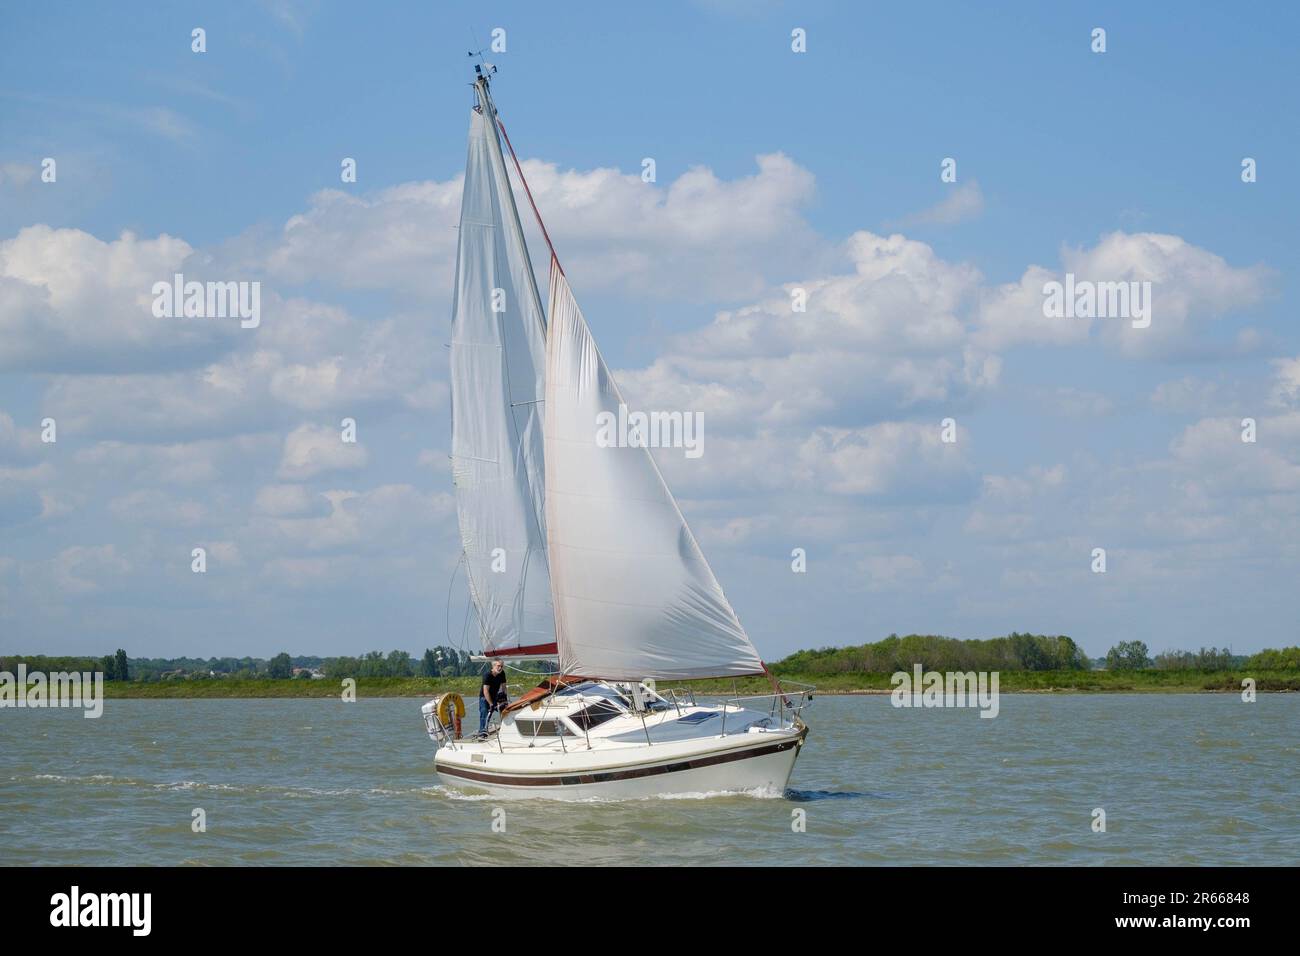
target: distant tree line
113 666
1011 653
1017 652
440 661
1134 655
1275 660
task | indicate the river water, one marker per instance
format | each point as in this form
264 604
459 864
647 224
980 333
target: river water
1182 778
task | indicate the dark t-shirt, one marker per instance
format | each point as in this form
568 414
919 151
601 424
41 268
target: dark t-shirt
496 685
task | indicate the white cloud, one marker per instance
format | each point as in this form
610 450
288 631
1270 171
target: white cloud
890 458
290 501
1013 507
887 336
1190 287
963 201
18 444
154 507
195 462
698 237
380 519
18 174
1211 451
402 237
44 472
69 301
311 450
1077 402
77 571
892 571
1286 382
307 358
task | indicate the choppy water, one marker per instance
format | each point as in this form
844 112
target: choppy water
1184 779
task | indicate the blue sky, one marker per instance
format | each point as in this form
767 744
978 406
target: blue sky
820 428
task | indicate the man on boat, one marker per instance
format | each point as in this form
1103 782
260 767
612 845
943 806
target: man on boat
492 695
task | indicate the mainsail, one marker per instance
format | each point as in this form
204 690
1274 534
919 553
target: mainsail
497 359
634 597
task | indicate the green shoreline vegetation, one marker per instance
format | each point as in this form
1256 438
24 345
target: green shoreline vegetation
1026 663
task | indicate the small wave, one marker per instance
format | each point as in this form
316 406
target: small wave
201 785
208 786
92 778
808 796
451 793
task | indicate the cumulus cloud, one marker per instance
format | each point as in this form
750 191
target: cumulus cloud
72 302
1190 287
289 501
1212 452
891 458
1011 507
888 572
402 237
697 237
1076 402
18 444
77 571
310 358
1286 382
150 506
207 460
376 520
964 201
311 450
18 175
888 335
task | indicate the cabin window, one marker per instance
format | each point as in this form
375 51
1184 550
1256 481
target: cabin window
541 728
595 715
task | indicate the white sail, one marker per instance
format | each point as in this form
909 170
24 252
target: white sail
634 597
497 359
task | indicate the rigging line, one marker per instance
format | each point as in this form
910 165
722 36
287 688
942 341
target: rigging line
520 670
450 584
464 628
528 192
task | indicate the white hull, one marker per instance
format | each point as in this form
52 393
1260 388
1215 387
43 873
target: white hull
760 762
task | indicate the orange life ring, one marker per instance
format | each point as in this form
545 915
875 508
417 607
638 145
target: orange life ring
451 708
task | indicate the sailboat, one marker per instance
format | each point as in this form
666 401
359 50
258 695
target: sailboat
576 553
